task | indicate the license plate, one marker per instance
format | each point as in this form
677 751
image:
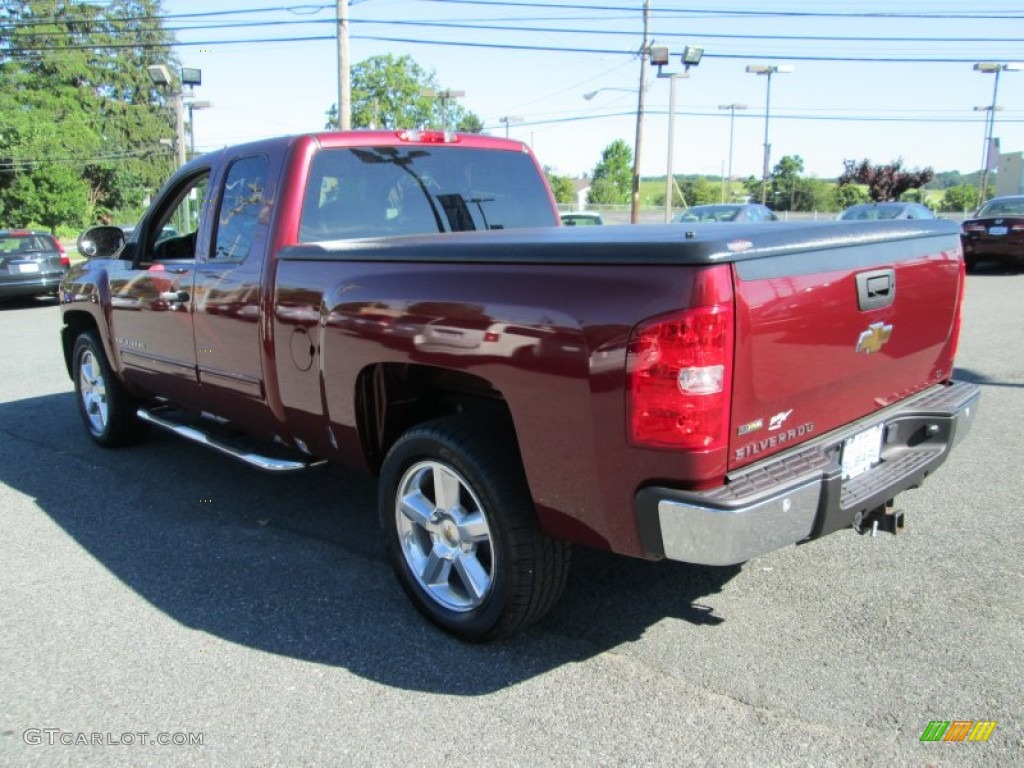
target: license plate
24 268
862 451
997 230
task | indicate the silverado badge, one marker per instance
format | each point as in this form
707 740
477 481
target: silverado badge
873 338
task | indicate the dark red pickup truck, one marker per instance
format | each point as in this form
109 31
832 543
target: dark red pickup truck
405 303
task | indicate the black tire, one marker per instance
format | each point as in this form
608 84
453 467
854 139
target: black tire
108 412
525 569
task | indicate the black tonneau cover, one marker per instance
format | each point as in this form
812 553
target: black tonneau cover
645 244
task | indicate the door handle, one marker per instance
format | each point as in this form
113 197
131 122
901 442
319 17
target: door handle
178 296
876 289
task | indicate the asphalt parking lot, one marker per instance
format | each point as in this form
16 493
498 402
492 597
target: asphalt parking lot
163 593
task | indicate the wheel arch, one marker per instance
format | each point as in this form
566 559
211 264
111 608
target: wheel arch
76 323
391 398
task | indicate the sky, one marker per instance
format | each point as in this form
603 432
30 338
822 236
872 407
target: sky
532 61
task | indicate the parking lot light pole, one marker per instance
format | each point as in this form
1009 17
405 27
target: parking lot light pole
691 57
161 78
732 122
509 120
990 68
192 106
767 70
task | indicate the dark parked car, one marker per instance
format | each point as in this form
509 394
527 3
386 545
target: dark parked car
884 211
996 231
31 263
726 212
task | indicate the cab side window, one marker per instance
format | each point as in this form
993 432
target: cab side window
242 202
172 233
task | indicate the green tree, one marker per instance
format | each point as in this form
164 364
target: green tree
784 180
79 129
698 190
613 176
470 123
960 198
391 92
849 194
561 187
752 187
815 194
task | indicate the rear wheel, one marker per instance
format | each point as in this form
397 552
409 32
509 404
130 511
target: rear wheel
461 533
107 411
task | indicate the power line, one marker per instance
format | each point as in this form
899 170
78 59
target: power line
49 20
476 26
506 47
782 116
959 15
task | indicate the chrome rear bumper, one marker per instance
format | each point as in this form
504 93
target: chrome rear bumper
800 494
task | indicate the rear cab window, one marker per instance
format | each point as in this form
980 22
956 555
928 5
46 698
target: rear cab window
385 191
14 243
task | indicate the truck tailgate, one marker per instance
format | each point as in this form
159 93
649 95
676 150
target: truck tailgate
828 337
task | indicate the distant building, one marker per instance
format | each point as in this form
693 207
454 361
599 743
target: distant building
1010 176
582 187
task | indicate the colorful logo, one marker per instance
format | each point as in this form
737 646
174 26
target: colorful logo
958 730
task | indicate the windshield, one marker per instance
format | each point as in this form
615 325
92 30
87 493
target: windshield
1013 207
11 244
872 212
382 191
710 213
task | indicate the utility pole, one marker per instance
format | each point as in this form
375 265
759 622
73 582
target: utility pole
344 75
634 211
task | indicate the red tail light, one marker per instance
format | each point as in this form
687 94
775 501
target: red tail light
64 260
680 371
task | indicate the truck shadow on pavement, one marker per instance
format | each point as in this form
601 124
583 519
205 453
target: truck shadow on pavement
293 565
966 374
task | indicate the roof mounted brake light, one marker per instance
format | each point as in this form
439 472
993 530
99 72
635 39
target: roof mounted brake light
428 137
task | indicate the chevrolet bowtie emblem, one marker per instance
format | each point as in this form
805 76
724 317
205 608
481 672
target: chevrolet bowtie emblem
873 338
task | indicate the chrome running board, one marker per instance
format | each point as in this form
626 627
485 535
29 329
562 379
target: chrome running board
253 459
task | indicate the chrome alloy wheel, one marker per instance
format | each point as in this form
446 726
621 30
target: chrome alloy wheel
444 536
93 389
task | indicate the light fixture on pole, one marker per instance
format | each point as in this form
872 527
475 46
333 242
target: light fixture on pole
192 106
768 70
508 120
445 97
732 121
989 68
191 77
690 57
161 78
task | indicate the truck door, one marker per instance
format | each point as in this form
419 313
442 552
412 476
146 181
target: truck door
228 295
151 296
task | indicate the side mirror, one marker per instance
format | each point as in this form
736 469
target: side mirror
101 242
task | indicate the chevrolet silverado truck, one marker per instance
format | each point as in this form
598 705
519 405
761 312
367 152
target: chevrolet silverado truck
405 303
